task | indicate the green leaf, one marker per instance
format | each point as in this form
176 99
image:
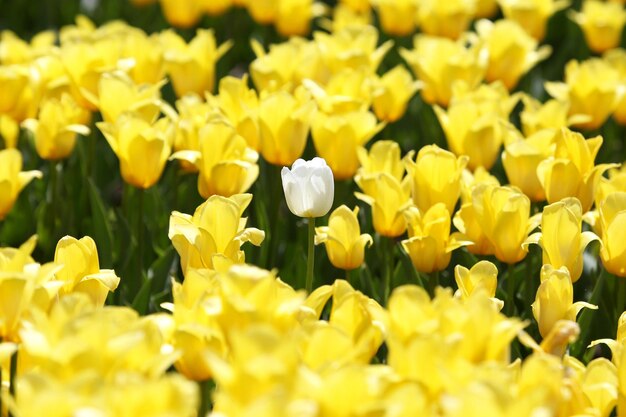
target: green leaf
142 299
101 225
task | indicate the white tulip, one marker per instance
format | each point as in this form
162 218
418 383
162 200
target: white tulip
309 187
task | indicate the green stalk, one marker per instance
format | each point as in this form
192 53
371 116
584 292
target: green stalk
388 259
310 256
510 290
140 227
12 374
433 282
205 397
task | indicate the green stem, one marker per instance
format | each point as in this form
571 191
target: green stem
621 297
348 276
310 255
388 248
433 282
12 375
586 317
205 397
510 290
140 228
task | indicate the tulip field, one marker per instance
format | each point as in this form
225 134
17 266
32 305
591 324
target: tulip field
316 208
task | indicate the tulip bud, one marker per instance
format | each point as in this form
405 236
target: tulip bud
393 92
345 244
483 276
612 220
309 187
601 23
555 299
12 180
532 15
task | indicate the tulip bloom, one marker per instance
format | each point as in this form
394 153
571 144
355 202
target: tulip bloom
561 239
397 18
512 52
142 147
191 67
440 63
293 17
538 116
483 276
532 15
601 23
118 93
436 177
284 121
571 172
612 213
392 94
55 130
345 245
81 271
240 105
474 123
383 156
309 187
213 236
616 58
521 157
337 138
591 89
430 243
503 214
226 164
555 299
445 18
12 179
388 197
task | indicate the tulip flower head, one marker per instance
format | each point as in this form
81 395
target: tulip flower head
345 244
601 23
613 219
309 187
12 179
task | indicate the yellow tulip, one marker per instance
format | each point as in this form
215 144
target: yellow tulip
346 91
521 157
12 179
81 269
146 53
483 276
388 197
9 131
226 164
486 8
591 89
240 105
284 121
293 17
600 385
345 245
512 52
193 114
353 47
397 18
142 147
571 172
503 214
183 14
440 63
263 11
601 23
538 116
337 138
191 66
474 126
356 5
86 61
285 65
24 286
555 299
344 16
430 243
532 15
383 156
470 179
118 93
20 87
392 94
616 58
612 214
450 18
561 239
15 50
55 130
215 231
436 177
